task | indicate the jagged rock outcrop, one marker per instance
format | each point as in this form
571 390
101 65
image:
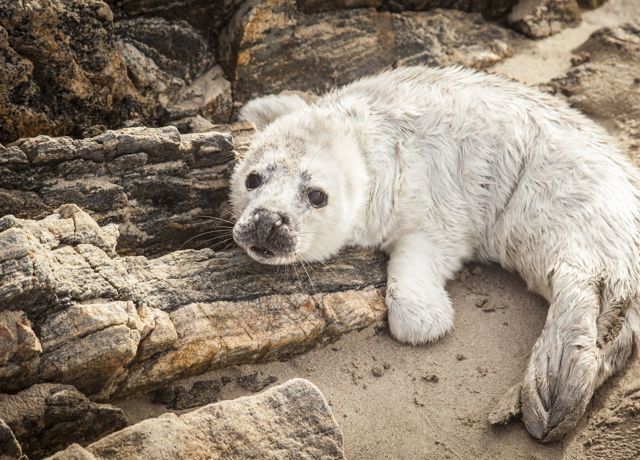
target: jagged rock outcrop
605 82
48 417
154 183
74 312
290 421
60 72
341 46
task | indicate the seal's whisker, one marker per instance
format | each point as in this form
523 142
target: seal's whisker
223 243
308 277
215 239
208 232
203 216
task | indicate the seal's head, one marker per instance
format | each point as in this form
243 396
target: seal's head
299 190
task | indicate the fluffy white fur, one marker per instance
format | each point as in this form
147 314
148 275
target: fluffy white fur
441 166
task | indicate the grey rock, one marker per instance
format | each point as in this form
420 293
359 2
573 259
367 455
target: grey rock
209 95
199 393
114 325
48 417
193 124
542 18
290 421
256 381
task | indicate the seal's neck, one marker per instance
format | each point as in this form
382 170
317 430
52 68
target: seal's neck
379 142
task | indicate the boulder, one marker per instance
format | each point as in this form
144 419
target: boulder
268 46
74 312
60 71
290 421
48 417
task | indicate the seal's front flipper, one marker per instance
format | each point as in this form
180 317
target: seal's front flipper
419 308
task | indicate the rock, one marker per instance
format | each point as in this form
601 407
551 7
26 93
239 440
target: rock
18 342
377 371
205 16
174 46
605 83
256 381
48 417
193 124
153 182
209 95
447 37
430 378
172 65
320 6
341 46
200 393
542 18
290 421
9 447
60 72
113 325
591 4
490 9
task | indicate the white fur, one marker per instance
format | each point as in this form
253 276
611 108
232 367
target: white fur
441 166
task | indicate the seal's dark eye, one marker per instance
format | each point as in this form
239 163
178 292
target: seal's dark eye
317 198
253 181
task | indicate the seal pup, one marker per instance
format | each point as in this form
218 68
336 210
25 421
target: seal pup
438 166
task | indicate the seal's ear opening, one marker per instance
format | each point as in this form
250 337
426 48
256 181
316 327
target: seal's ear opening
264 110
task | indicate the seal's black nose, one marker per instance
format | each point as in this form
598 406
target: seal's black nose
267 223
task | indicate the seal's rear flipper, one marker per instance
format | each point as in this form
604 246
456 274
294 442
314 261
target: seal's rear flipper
264 110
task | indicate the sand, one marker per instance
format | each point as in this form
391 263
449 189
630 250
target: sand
399 402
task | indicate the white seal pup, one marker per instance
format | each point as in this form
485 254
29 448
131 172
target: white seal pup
440 166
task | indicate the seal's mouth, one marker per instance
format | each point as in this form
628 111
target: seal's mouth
262 251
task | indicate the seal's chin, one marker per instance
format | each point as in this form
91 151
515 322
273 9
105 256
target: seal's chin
269 257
